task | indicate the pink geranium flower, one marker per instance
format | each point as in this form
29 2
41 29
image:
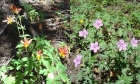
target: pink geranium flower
134 42
94 47
98 23
77 60
83 33
122 45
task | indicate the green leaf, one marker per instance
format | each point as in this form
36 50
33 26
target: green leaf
63 77
24 59
3 68
120 32
50 55
120 82
57 82
18 67
103 45
44 71
19 46
49 82
138 77
45 63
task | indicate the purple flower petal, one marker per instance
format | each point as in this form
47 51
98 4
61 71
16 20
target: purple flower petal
134 42
98 23
122 45
94 47
83 33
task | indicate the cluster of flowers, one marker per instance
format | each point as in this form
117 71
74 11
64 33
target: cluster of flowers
10 19
26 42
95 46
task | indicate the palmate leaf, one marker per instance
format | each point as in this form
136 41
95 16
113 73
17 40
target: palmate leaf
44 71
63 77
124 79
45 63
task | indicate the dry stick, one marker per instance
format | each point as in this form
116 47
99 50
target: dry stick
33 32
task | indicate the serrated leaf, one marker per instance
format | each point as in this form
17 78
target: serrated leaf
45 63
57 82
119 82
63 77
44 71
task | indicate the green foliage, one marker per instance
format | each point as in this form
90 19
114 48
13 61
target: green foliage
120 21
31 70
33 14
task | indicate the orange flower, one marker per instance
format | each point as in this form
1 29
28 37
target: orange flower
26 42
38 54
9 20
63 51
40 26
15 9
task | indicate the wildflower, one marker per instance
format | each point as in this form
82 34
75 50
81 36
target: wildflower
38 54
40 26
122 45
51 76
81 21
15 9
26 42
77 60
83 33
9 20
134 42
98 23
63 51
94 47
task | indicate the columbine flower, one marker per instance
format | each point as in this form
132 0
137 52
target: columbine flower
26 42
51 76
77 60
94 47
81 21
38 54
9 20
63 51
98 23
83 33
134 42
121 45
15 9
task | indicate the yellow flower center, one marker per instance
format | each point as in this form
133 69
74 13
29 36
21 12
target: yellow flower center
62 54
38 56
10 20
26 44
81 21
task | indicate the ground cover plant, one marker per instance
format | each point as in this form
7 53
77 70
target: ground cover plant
102 47
107 34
